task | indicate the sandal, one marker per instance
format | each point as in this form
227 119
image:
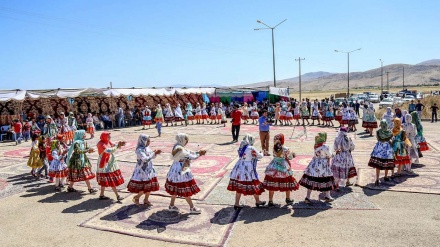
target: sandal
103 197
148 203
259 204
289 201
271 204
93 190
70 189
135 201
119 198
328 199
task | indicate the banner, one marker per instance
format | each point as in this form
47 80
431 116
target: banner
279 91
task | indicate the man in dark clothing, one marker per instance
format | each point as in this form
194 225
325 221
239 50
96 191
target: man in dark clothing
419 108
434 110
356 107
236 121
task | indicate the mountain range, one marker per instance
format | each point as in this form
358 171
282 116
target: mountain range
424 73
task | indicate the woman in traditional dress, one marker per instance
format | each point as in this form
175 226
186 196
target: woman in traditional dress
34 161
180 181
283 113
296 113
369 120
144 180
78 163
277 112
198 115
65 128
245 113
411 132
50 129
178 115
189 112
244 177
71 121
169 115
389 116
342 163
159 119
289 114
146 117
329 115
90 125
279 174
305 114
58 168
315 113
204 113
318 174
213 114
338 114
382 157
221 115
108 173
420 139
254 113
400 143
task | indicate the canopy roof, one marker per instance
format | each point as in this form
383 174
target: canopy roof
19 95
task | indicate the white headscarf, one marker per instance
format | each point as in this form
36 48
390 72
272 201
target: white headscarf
142 141
182 139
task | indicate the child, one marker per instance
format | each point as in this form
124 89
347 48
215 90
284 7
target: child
144 180
34 161
318 174
43 157
343 163
244 177
58 168
279 174
90 125
400 143
189 113
159 119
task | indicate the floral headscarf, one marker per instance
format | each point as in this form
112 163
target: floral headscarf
383 134
78 138
142 141
102 145
417 123
248 140
320 139
53 145
397 126
278 143
408 118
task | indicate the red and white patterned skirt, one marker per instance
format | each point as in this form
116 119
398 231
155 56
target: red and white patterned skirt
280 184
143 186
110 179
183 189
246 187
78 175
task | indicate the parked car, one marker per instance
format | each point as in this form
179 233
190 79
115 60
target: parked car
408 97
374 98
387 102
419 96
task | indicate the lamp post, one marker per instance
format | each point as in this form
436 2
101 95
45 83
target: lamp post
273 46
381 76
348 68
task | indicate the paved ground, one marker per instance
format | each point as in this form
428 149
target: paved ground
391 215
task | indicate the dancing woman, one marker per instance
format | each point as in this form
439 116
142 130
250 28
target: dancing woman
144 180
244 177
180 181
342 163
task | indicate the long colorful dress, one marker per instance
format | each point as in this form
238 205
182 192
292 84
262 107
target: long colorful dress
213 113
204 112
34 156
189 111
400 143
389 116
78 163
244 177
50 130
369 119
221 114
71 121
108 173
159 115
420 139
342 163
279 174
65 128
329 116
305 114
245 112
169 116
178 116
338 115
254 111
289 114
315 112
198 115
90 125
283 111
146 117
296 112
57 167
318 174
180 180
411 132
382 156
144 175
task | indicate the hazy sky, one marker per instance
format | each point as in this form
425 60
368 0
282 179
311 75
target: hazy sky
83 43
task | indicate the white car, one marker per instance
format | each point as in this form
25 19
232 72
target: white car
374 98
419 96
408 98
387 102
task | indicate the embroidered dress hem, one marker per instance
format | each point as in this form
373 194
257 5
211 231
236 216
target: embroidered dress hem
204 116
146 122
280 184
246 188
213 117
244 117
110 179
178 119
372 125
381 164
158 120
90 130
169 119
182 189
59 174
143 186
402 160
338 118
296 117
343 172
318 183
78 175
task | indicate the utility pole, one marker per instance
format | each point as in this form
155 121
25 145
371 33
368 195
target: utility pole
403 81
388 83
381 76
299 62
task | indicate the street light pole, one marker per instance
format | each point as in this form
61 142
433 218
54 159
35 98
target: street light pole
388 83
381 76
403 81
299 60
273 46
348 68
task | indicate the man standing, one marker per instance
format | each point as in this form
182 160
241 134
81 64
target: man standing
419 108
411 107
357 106
236 121
434 110
17 131
264 132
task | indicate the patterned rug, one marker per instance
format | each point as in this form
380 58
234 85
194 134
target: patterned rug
210 228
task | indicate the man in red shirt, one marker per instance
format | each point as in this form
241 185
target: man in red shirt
236 121
17 131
